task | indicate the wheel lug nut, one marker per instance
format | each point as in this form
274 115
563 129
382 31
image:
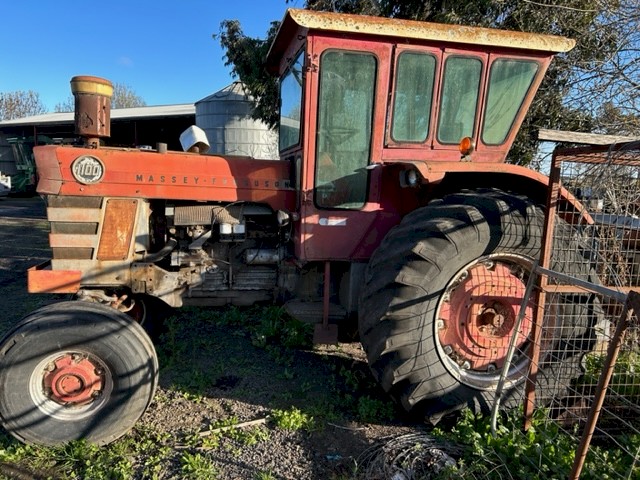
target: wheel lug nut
491 367
466 365
448 350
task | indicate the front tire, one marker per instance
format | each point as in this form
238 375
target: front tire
75 370
440 300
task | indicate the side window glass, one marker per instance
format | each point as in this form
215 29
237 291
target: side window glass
412 97
345 117
291 104
509 82
458 105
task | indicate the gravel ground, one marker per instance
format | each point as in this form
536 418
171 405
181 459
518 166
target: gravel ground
212 373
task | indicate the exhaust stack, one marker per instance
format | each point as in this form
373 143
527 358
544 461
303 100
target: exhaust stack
92 117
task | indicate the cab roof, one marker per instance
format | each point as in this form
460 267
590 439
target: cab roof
296 20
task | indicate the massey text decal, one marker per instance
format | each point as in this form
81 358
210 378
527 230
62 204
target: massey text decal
211 181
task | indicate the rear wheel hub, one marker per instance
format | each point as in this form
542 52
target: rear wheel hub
477 316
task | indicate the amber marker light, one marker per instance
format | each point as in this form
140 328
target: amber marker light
467 145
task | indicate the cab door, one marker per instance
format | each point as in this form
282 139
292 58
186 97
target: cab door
348 85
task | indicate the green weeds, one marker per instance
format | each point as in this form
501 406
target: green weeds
195 466
544 451
292 419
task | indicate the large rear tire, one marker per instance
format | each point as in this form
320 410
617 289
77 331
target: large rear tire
75 370
441 297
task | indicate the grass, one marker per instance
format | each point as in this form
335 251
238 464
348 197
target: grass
300 389
193 357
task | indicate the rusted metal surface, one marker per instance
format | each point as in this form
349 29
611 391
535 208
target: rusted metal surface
553 195
61 240
173 175
409 29
582 138
40 279
479 316
436 172
92 117
117 229
616 154
326 333
613 351
71 214
73 380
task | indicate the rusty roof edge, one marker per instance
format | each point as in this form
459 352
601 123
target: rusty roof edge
383 26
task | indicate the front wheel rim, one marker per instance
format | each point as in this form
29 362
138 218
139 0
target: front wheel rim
476 319
70 385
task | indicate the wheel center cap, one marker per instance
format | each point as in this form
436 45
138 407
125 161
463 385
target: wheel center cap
73 380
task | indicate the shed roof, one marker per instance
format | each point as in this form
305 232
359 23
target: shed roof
159 111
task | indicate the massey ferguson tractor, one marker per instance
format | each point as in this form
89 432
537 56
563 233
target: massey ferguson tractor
391 203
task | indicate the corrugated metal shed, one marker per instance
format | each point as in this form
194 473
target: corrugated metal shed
225 116
116 114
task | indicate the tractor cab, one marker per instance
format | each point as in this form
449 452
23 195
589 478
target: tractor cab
360 96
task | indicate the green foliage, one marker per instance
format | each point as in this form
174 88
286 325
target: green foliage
75 460
373 410
227 434
144 451
276 327
292 419
265 476
625 380
195 466
544 451
601 66
246 56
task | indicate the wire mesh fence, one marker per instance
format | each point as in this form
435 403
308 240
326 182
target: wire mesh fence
583 391
567 323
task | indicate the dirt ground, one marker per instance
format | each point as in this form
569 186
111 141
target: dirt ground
210 372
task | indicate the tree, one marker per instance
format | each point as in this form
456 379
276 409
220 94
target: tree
20 104
603 67
123 97
246 57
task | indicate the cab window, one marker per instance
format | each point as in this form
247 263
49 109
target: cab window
345 117
412 99
509 82
459 102
291 104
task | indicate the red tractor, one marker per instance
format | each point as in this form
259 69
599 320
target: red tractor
391 203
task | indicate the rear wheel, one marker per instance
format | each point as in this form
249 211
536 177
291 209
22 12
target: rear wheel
441 299
75 370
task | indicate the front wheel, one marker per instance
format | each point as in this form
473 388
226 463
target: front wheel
441 298
75 370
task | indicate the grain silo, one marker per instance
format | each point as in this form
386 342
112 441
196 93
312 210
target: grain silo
225 116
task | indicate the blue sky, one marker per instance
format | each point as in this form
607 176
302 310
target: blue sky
162 49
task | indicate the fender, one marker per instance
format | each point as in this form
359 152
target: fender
436 172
